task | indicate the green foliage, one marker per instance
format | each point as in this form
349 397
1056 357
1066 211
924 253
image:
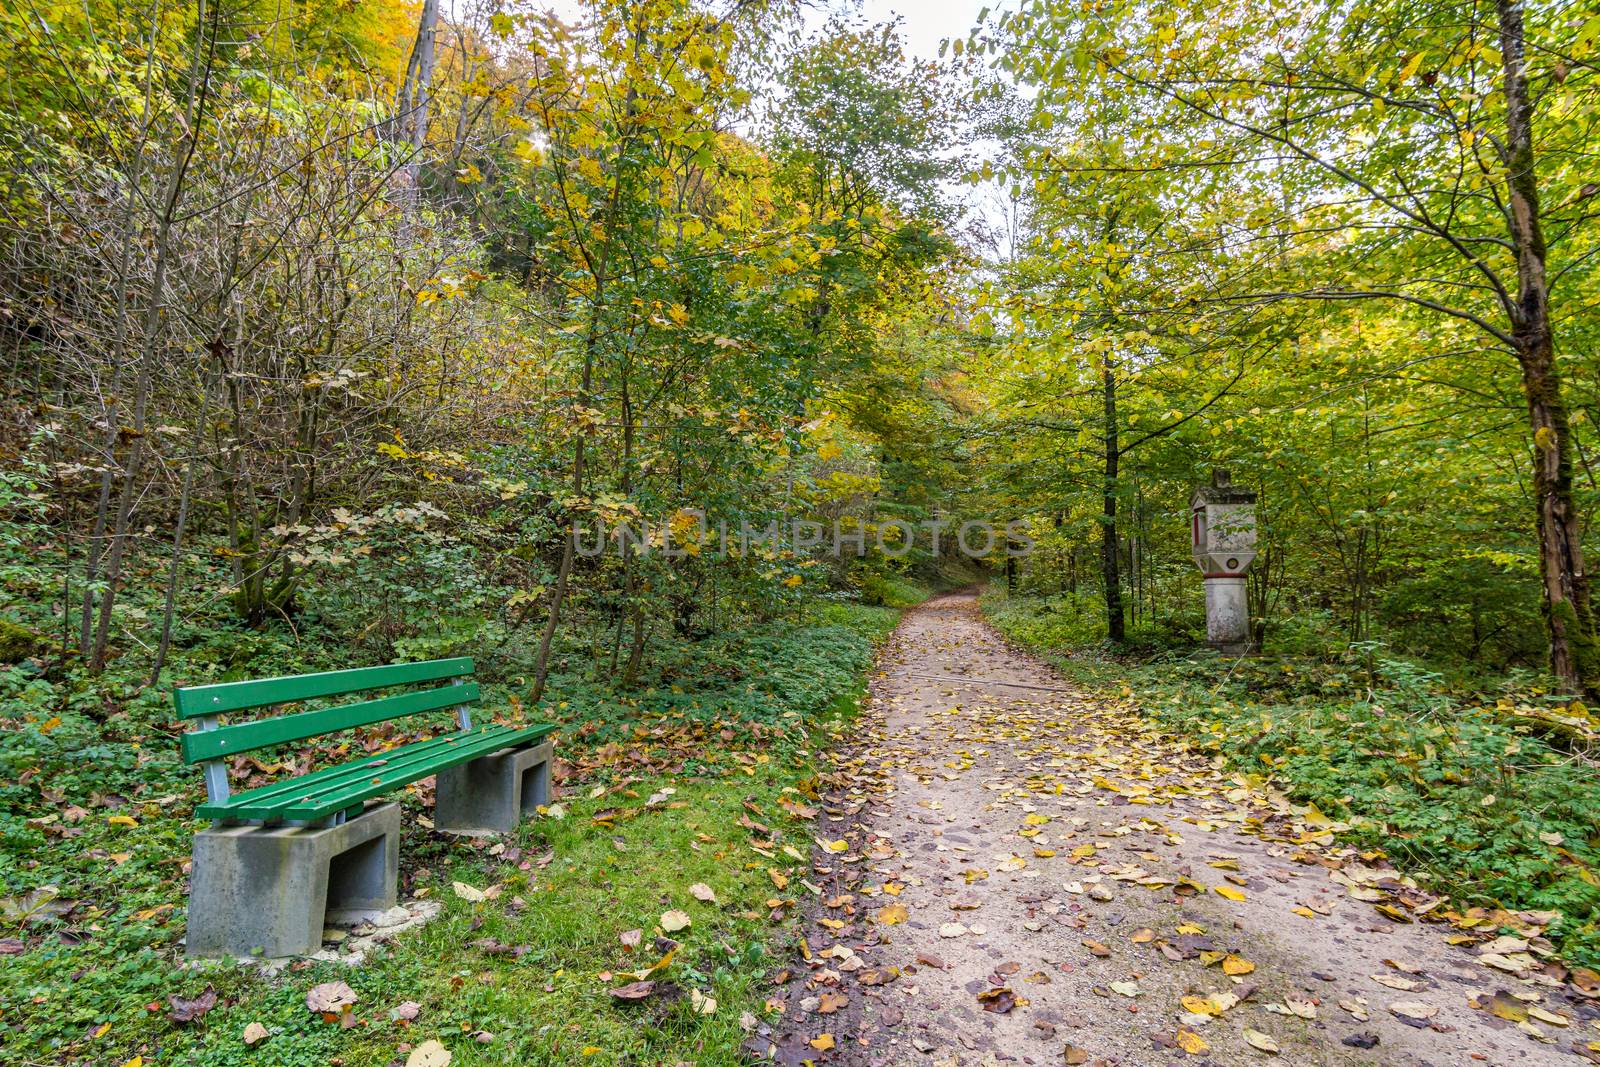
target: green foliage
76 752
1067 620
887 589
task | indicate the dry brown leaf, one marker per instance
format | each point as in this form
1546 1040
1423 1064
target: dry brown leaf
1414 1009
1260 1041
429 1054
330 998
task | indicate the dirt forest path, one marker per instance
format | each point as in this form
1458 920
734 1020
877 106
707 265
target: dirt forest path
1013 872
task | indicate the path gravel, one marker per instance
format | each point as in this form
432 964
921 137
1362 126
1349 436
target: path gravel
1010 871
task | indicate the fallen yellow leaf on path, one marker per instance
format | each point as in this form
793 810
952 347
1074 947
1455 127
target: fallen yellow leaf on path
1260 1041
893 914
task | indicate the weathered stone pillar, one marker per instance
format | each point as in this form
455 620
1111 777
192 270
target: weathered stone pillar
1223 531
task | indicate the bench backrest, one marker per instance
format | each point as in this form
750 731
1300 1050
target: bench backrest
215 742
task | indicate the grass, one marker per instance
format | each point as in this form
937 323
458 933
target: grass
96 808
1489 792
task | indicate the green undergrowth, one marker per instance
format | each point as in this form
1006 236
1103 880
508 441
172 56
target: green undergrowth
96 821
893 591
1488 793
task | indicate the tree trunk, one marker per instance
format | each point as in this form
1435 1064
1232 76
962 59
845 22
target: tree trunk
411 103
1110 564
541 671
1568 613
1566 584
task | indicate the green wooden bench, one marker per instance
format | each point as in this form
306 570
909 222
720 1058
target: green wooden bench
281 856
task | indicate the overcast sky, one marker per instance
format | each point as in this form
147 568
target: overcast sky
925 22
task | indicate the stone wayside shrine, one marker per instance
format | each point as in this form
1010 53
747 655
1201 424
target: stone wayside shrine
1223 531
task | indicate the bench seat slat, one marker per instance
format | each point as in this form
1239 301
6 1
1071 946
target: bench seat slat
389 778
322 793
230 740
263 797
401 762
195 701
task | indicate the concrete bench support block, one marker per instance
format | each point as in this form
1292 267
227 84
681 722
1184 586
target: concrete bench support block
491 793
267 889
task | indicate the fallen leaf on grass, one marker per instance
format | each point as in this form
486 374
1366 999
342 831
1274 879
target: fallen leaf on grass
703 893
701 1003
658 965
254 1034
630 939
191 1010
429 1054
330 998
39 903
675 920
633 991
